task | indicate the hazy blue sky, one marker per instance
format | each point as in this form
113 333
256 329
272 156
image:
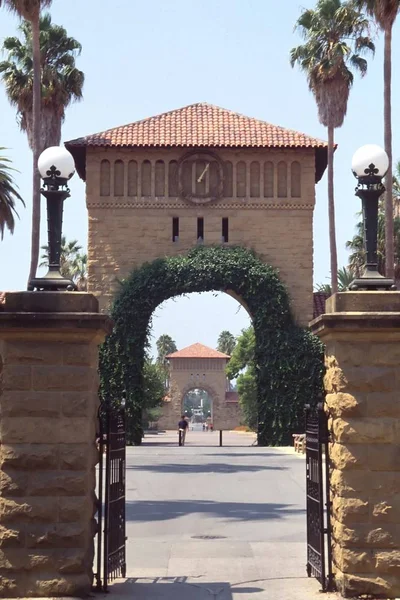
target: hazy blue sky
144 58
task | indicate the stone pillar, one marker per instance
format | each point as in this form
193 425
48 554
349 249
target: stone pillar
48 407
361 331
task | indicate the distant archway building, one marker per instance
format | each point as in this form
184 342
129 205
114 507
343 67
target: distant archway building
200 367
200 174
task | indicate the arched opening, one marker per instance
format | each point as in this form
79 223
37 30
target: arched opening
289 365
197 405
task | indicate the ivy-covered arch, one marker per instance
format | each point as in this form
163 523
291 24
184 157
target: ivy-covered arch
288 358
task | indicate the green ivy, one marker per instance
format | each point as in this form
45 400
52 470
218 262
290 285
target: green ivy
288 359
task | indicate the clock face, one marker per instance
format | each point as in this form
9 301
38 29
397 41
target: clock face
200 177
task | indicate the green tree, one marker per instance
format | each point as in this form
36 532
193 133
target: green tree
69 257
226 342
30 10
345 277
384 13
336 35
79 271
8 196
242 368
165 345
154 391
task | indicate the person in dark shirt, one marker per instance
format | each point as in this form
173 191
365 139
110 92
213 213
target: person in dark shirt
183 425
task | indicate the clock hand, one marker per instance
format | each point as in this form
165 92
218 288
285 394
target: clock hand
203 173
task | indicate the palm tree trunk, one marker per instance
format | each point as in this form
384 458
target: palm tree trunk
35 240
331 211
387 111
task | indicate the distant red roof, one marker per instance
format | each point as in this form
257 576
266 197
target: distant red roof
198 351
319 299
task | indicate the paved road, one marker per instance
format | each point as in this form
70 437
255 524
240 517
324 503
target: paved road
205 522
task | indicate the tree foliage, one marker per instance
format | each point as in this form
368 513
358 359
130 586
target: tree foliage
8 196
242 367
288 359
73 264
226 342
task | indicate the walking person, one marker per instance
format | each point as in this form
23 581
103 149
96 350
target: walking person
182 428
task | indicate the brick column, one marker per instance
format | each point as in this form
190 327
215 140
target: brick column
361 331
48 406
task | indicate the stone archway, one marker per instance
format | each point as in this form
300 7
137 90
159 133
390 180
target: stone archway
288 358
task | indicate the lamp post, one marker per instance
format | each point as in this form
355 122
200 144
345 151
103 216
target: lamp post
369 165
56 166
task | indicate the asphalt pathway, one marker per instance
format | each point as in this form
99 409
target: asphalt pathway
205 522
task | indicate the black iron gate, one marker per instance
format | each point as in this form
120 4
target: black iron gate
111 535
319 553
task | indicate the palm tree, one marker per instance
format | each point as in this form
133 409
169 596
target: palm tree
165 345
68 257
8 195
62 82
30 10
226 342
79 272
345 277
336 35
384 13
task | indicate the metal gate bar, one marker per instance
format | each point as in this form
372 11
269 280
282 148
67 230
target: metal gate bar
319 555
111 534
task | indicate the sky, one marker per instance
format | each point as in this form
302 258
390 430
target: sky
144 58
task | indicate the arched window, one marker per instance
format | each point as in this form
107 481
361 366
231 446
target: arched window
228 179
146 178
119 173
268 179
160 178
255 179
282 180
241 179
105 176
295 179
132 178
172 178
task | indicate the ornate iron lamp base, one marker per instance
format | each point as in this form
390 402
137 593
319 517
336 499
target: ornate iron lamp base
53 281
369 283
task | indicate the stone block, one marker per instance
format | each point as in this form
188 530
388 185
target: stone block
63 379
367 585
365 430
30 404
50 302
29 457
12 537
365 535
28 509
384 457
387 561
341 404
76 457
75 509
79 404
56 535
13 483
383 404
353 560
17 377
65 560
369 378
349 456
25 352
28 430
59 483
350 510
349 484
362 302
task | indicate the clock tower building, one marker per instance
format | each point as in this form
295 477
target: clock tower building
200 175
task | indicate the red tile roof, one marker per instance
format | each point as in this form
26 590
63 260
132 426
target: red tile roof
198 351
319 299
200 125
196 125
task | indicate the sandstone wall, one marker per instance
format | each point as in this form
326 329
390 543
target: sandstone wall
125 231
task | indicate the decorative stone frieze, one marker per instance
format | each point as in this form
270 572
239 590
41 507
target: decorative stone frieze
48 408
